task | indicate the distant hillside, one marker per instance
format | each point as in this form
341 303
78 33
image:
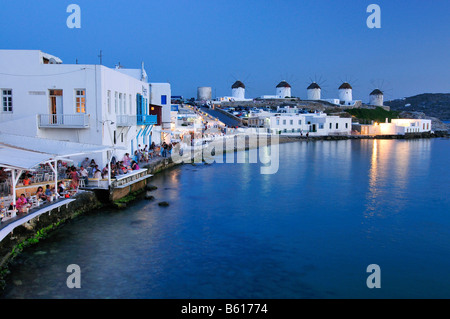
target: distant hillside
434 105
366 116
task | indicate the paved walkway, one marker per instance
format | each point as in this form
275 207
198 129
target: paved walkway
222 117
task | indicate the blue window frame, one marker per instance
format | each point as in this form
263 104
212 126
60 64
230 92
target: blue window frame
163 99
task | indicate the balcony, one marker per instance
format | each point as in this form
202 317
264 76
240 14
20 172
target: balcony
126 120
63 120
146 119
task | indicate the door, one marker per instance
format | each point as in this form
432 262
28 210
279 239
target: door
56 107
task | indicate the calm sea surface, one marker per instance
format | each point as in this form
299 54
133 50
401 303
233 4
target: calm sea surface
308 231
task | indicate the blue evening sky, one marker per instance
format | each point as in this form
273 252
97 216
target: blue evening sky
213 43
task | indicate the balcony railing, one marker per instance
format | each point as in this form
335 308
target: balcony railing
126 120
63 120
146 119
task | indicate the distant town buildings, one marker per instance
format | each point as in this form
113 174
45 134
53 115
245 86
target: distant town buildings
292 123
395 127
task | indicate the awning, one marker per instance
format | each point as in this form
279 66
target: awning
20 159
54 147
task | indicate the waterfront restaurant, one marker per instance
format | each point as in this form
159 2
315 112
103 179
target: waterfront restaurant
16 161
19 154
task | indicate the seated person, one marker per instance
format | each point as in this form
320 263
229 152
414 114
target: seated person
26 181
21 203
84 175
105 172
40 193
134 166
48 191
85 162
61 188
98 174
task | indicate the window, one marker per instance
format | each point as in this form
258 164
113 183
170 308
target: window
120 103
278 121
337 126
331 126
7 105
124 103
284 122
320 126
163 99
292 122
131 105
108 101
299 122
116 109
346 125
80 101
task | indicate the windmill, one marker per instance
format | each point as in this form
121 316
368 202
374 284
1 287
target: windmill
291 79
383 86
245 79
316 87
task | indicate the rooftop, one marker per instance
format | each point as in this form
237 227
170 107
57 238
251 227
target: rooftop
376 92
313 85
238 84
345 86
283 84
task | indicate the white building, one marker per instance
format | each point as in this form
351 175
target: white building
346 94
315 124
160 94
376 98
283 90
238 91
314 92
396 127
204 93
412 125
93 104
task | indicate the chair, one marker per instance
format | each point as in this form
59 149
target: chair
81 183
34 201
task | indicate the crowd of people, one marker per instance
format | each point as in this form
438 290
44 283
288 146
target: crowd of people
87 169
24 203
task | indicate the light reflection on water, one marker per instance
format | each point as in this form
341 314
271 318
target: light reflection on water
308 231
